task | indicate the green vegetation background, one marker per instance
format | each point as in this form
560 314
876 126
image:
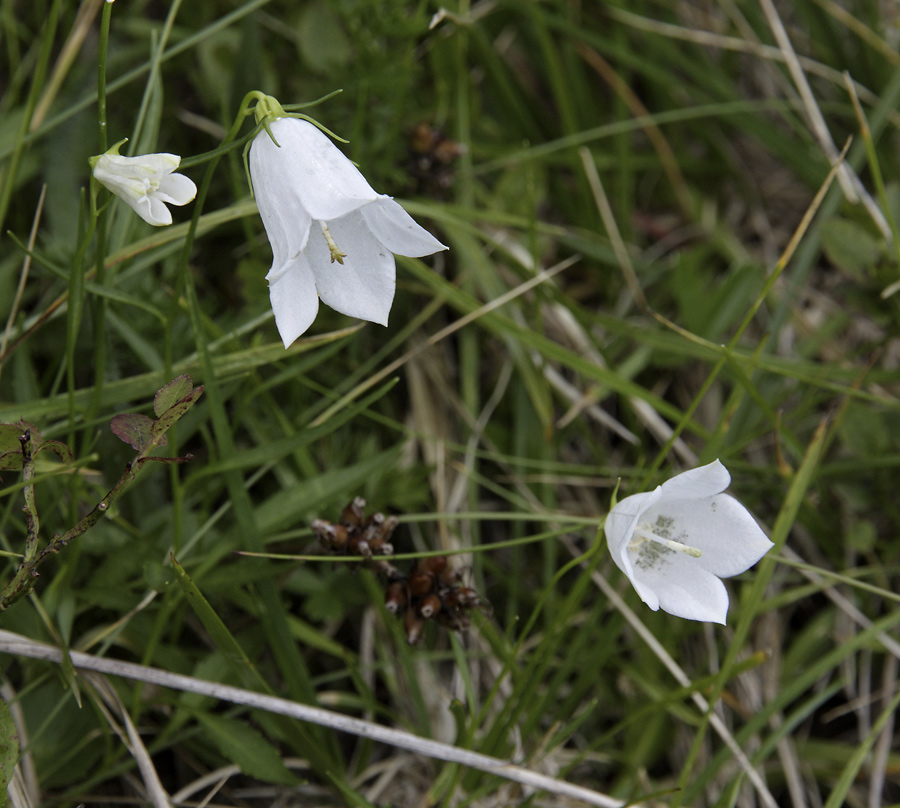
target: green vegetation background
664 153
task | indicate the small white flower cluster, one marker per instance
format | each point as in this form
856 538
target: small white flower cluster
676 542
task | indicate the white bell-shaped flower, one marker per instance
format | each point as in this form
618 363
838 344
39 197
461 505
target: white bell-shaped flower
675 543
332 236
147 182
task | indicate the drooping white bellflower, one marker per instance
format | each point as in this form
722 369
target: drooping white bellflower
147 182
675 543
332 236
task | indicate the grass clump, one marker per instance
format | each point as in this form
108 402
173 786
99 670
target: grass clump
673 238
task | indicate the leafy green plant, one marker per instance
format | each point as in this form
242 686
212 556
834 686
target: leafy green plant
141 432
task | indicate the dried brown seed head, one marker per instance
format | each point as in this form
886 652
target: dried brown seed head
429 606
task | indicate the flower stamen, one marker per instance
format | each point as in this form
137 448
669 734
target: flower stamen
641 535
336 254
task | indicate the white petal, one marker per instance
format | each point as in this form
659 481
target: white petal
684 590
294 300
363 286
284 217
152 210
704 481
125 187
176 189
398 231
307 168
720 527
620 524
142 164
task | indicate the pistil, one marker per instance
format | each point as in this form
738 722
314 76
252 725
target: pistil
642 534
336 254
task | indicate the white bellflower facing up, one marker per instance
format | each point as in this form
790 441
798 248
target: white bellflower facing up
675 543
332 236
147 182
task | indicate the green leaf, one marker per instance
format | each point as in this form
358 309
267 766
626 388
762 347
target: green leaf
321 39
247 748
270 452
10 448
9 749
134 429
57 447
172 393
223 639
850 247
168 418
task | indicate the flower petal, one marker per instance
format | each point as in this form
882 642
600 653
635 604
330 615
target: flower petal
704 481
307 168
363 286
284 217
294 300
176 189
683 590
398 231
619 528
142 164
151 210
720 527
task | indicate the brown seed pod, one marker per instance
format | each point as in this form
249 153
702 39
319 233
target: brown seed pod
454 619
450 577
359 546
379 529
414 626
421 584
436 565
388 528
429 606
396 596
331 537
432 591
354 514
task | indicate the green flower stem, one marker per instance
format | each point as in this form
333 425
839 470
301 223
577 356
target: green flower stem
31 515
100 256
101 76
76 303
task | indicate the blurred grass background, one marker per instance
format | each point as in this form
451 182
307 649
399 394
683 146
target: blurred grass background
664 153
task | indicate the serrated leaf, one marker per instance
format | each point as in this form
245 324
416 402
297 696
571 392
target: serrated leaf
135 429
172 393
9 749
248 749
166 419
